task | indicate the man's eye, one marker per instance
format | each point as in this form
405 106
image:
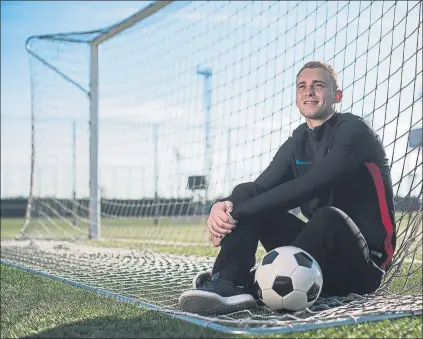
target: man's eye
320 85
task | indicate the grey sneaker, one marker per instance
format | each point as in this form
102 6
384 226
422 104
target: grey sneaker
204 276
216 295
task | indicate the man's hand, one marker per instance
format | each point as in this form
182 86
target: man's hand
216 241
220 222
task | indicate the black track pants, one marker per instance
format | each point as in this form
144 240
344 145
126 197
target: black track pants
331 237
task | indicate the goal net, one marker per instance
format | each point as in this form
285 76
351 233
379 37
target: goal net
139 127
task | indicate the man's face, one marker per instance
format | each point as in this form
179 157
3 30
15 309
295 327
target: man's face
315 94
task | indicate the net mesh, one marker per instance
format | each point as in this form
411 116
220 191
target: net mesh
194 100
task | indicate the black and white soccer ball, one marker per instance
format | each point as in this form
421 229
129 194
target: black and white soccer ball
288 278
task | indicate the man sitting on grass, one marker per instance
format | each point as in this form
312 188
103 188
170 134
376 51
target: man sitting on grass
335 168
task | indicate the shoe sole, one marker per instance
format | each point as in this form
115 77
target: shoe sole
207 302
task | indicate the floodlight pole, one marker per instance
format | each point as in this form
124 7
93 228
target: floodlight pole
156 173
95 199
207 73
74 173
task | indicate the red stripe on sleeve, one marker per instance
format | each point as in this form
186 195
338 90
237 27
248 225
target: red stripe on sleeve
384 211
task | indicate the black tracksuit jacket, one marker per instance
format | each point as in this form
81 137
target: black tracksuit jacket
341 163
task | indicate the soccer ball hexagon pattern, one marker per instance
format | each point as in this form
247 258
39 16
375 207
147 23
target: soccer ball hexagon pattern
288 278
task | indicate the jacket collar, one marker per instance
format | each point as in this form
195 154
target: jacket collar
319 131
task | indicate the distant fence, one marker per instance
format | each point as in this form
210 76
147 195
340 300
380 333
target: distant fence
13 208
16 207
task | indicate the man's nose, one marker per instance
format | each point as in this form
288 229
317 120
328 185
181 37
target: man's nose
310 91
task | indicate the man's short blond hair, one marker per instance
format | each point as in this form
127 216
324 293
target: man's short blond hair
326 67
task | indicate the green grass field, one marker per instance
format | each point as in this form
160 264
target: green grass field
177 236
34 306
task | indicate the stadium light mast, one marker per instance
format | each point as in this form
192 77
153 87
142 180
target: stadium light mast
156 173
207 73
74 172
178 157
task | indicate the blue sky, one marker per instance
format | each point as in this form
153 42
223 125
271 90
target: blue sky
148 75
19 20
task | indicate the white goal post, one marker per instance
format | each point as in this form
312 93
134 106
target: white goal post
93 95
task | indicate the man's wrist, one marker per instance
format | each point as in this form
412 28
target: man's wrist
219 200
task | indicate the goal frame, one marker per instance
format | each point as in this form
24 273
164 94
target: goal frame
92 93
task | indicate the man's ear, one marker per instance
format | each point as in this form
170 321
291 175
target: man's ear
338 96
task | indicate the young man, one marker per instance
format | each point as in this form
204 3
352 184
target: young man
335 168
